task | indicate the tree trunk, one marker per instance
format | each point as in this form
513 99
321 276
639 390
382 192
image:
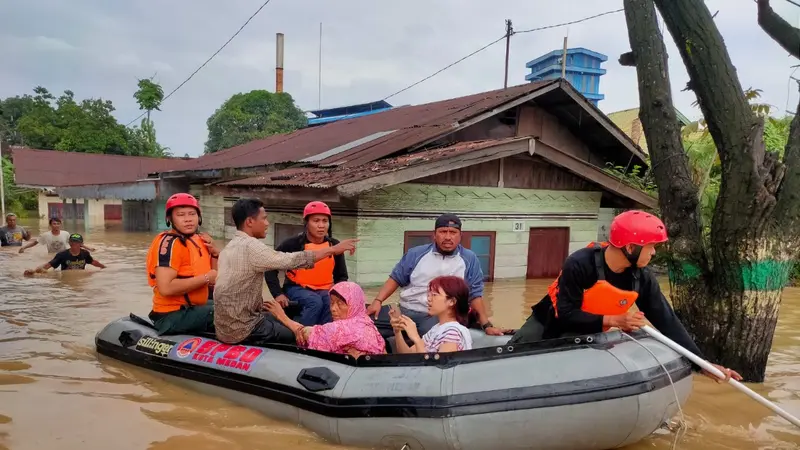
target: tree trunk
678 197
731 307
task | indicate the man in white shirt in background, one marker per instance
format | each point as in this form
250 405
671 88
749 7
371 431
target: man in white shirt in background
56 240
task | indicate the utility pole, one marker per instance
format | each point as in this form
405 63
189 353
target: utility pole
564 60
509 32
2 179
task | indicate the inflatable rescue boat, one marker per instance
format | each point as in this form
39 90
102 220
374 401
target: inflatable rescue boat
589 392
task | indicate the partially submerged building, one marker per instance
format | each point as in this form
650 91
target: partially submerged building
92 187
522 167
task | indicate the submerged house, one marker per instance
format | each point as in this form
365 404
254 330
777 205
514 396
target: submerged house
55 174
522 167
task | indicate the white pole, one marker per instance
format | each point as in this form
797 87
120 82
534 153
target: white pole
2 180
707 366
319 73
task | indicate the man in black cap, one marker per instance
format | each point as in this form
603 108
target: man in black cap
421 264
74 258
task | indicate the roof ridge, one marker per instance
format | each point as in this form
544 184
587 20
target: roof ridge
155 158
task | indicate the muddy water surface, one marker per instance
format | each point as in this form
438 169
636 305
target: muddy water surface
56 394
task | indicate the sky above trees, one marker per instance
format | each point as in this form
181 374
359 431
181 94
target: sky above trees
370 50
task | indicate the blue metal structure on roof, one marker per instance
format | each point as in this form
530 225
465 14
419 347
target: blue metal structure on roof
583 70
347 112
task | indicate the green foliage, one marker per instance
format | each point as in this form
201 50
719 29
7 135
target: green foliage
254 115
45 122
142 140
149 96
776 134
18 200
635 177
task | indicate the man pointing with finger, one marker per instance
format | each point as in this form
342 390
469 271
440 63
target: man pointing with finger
599 284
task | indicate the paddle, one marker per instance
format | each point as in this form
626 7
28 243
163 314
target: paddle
707 366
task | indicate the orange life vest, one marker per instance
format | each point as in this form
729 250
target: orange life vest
319 277
602 298
189 257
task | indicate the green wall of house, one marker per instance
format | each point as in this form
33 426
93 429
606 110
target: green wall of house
384 215
381 238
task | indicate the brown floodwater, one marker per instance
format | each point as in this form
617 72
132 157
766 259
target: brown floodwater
55 392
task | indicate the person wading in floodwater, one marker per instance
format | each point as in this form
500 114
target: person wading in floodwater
599 284
180 268
13 234
55 240
74 258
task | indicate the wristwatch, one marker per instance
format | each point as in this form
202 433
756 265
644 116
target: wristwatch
486 325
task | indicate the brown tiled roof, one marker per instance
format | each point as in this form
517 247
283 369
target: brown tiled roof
363 139
58 169
337 176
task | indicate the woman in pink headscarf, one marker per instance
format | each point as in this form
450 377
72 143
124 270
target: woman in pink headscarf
351 331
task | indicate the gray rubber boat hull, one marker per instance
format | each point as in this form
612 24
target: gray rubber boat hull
591 392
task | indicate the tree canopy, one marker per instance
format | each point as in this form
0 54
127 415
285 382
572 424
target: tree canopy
45 122
254 115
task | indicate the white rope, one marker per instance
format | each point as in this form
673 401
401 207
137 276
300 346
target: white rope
682 427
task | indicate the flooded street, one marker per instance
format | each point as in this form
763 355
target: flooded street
56 393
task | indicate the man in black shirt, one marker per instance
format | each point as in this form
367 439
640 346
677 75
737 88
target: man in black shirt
74 258
598 285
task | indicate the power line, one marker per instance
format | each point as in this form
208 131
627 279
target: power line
498 40
305 130
571 22
794 2
209 59
448 66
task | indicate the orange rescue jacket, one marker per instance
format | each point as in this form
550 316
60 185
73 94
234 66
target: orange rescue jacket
602 298
189 256
319 277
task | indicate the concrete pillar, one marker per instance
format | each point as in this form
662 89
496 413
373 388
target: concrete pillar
86 216
74 213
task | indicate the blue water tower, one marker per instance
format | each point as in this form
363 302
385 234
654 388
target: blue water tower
583 70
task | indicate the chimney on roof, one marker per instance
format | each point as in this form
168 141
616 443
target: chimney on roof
279 63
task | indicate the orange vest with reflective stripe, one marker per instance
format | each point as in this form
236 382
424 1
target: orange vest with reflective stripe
602 298
319 277
190 257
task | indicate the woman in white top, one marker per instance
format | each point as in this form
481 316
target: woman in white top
448 300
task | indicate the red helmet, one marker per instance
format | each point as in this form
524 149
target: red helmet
636 227
316 208
182 199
